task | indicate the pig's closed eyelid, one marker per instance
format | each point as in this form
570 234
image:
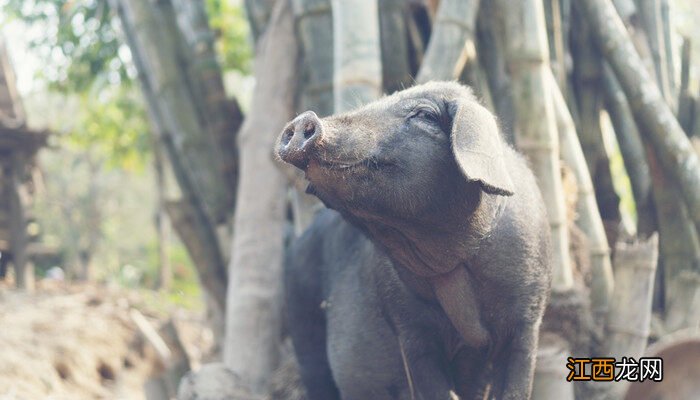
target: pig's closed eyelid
425 110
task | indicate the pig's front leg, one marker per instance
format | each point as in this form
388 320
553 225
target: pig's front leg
517 365
423 361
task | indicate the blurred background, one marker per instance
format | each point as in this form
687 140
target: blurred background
141 237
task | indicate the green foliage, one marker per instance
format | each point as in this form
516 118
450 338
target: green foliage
233 34
114 125
78 42
80 47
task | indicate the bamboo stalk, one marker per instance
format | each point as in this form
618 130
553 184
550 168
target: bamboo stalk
633 152
679 244
553 16
357 62
587 208
490 49
686 102
419 26
314 26
550 382
683 309
536 131
662 130
588 92
650 12
678 237
668 45
451 44
396 63
314 29
630 312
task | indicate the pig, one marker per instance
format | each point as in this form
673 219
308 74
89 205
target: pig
428 274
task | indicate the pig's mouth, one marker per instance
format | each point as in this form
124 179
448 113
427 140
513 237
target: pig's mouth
324 175
369 164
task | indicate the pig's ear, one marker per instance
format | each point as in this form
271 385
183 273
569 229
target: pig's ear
478 147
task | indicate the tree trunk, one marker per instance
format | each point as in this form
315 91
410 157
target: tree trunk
258 12
535 125
451 44
187 224
254 306
155 49
159 50
220 117
357 62
661 128
165 271
588 216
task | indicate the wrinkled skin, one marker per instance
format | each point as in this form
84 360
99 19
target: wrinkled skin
433 271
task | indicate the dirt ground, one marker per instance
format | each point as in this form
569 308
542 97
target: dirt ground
79 342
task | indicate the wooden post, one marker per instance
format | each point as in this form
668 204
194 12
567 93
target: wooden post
17 200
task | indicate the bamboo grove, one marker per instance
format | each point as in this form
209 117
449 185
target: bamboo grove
559 74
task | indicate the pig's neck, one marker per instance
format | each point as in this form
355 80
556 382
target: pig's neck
437 244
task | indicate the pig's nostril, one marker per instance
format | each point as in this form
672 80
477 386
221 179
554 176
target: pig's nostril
309 130
287 136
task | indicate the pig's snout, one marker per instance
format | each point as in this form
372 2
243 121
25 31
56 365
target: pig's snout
299 139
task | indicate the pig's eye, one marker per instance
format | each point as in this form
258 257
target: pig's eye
426 115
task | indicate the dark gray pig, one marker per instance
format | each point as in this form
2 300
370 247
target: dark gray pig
433 274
